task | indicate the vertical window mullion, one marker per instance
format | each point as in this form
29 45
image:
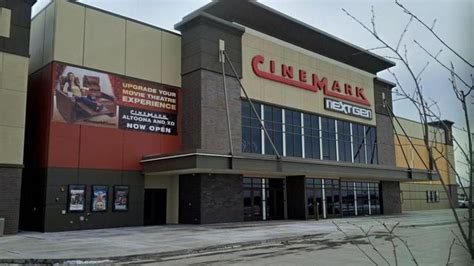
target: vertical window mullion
352 143
262 116
303 151
365 143
355 199
283 120
337 139
320 139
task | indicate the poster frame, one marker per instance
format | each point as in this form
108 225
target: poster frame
76 187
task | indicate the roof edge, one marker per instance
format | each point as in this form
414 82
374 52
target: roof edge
321 32
201 14
385 82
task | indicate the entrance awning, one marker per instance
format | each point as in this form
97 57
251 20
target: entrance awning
268 166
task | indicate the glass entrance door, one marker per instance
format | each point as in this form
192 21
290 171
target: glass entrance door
314 198
341 198
331 195
263 199
252 193
275 200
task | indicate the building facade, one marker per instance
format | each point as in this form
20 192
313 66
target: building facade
14 56
411 153
129 124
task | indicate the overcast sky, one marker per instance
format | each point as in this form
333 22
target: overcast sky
454 24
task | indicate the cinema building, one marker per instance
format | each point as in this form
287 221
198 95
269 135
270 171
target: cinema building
129 124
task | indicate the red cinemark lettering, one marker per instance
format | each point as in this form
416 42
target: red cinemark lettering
287 71
287 75
347 89
302 75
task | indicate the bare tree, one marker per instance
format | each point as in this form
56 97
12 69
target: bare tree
427 109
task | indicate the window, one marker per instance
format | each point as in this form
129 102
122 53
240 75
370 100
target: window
252 194
272 116
314 197
358 135
347 196
432 196
344 141
317 136
372 156
293 133
374 198
311 136
362 198
251 129
328 131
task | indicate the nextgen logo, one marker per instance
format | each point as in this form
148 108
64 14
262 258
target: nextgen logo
346 108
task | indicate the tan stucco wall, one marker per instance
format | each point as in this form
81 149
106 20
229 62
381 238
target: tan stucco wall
41 38
413 197
255 43
415 129
91 38
5 21
171 184
415 162
13 83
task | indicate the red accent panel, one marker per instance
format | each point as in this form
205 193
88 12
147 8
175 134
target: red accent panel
101 148
138 144
171 144
64 145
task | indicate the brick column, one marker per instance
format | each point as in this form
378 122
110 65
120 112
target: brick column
390 195
10 191
296 197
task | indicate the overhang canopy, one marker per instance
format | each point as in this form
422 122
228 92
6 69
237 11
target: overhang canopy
269 166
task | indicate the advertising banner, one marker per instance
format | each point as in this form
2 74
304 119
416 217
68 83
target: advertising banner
90 97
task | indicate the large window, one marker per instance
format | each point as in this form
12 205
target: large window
328 130
371 145
344 141
306 135
311 136
358 134
341 198
293 133
251 129
272 116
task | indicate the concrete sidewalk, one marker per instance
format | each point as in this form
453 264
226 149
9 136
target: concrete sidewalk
182 239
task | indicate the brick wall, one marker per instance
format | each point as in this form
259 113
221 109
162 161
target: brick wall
221 199
10 186
390 194
210 198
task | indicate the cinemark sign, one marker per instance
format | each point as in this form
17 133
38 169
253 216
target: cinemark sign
309 81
